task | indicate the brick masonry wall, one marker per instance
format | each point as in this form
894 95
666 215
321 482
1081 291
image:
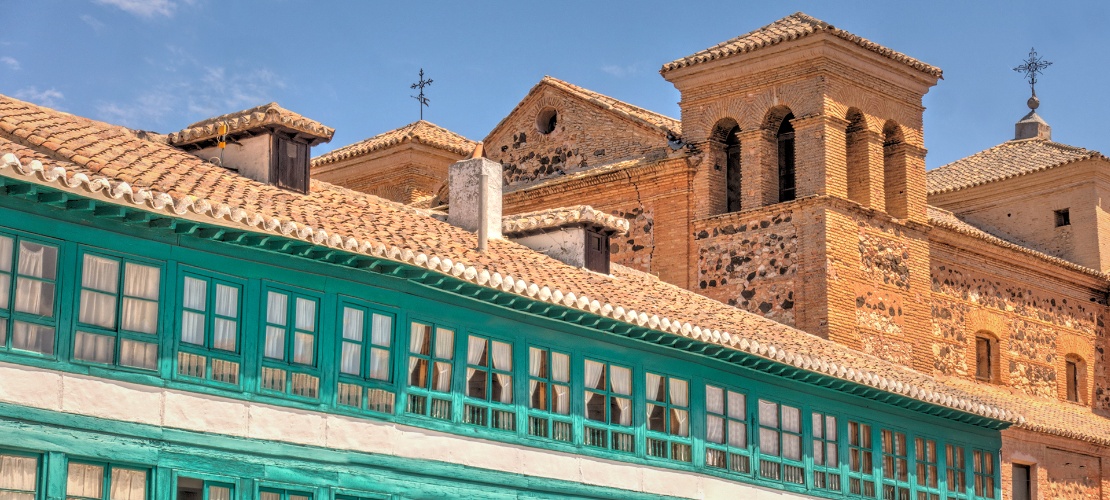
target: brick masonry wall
749 260
585 136
1038 320
405 173
1061 468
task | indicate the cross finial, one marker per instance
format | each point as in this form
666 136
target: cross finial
1033 67
420 97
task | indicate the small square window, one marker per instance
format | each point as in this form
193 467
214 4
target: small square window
1063 218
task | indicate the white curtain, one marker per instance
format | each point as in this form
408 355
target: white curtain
227 301
621 379
140 303
445 344
503 360
379 364
193 294
383 330
768 414
276 305
594 371
382 335
224 335
98 348
85 481
219 493
306 314
138 354
714 429
267 495
680 396
18 474
737 406
352 357
654 386
791 419
535 369
31 337
192 327
128 484
275 342
304 348
560 394
714 404
352 351
34 296
714 400
6 248
352 324
418 338
475 351
101 275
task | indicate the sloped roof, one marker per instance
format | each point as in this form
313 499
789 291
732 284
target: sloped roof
792 27
259 116
421 131
939 217
110 163
1006 160
663 123
541 220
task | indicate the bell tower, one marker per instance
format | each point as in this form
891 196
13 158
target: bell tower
819 131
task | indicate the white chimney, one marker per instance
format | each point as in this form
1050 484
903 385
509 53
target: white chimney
474 206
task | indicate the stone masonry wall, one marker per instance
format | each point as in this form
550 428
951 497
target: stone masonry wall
585 136
749 261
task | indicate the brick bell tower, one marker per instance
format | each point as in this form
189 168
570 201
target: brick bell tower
809 183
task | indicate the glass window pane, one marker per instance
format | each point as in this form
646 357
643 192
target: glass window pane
85 480
445 343
219 493
139 315
34 297
96 348
352 323
141 281
502 356
128 484
98 309
276 308
192 327
737 434
306 314
31 337
138 354
18 473
227 301
621 379
560 367
194 293
5 290
275 342
36 260
352 359
6 247
768 413
100 274
383 330
736 406
224 336
769 442
791 419
379 364
304 345
792 446
715 400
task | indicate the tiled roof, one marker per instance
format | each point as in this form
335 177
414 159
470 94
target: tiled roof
792 27
942 218
110 163
663 123
267 114
420 131
561 217
1006 160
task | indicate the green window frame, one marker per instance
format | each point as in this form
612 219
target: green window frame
927 464
861 463
489 384
106 481
895 465
208 334
780 442
119 311
667 427
360 496
29 293
608 410
366 355
209 489
19 475
283 494
826 451
983 468
727 443
549 393
430 366
290 342
955 461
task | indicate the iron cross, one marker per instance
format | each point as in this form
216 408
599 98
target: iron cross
1033 67
420 97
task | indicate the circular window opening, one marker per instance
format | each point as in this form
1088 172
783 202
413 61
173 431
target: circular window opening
546 120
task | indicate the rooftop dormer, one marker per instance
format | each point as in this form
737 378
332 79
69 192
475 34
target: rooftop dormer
267 143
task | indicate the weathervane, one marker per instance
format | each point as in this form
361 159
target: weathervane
420 97
1033 67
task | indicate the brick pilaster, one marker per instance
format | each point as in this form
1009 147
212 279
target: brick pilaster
820 156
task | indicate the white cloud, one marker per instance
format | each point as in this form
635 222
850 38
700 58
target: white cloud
143 8
149 107
47 97
621 71
93 22
11 62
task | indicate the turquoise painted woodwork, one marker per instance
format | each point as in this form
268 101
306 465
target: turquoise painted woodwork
260 263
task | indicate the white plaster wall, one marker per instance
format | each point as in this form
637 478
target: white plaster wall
91 396
251 157
463 180
567 244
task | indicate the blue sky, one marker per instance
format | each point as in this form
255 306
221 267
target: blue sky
162 64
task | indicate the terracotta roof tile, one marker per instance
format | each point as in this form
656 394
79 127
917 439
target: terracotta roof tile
561 217
792 27
266 114
355 222
420 131
1006 160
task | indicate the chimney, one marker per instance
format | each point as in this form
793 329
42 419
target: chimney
475 187
578 235
267 143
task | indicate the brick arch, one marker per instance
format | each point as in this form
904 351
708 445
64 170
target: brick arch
989 322
896 187
1070 345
